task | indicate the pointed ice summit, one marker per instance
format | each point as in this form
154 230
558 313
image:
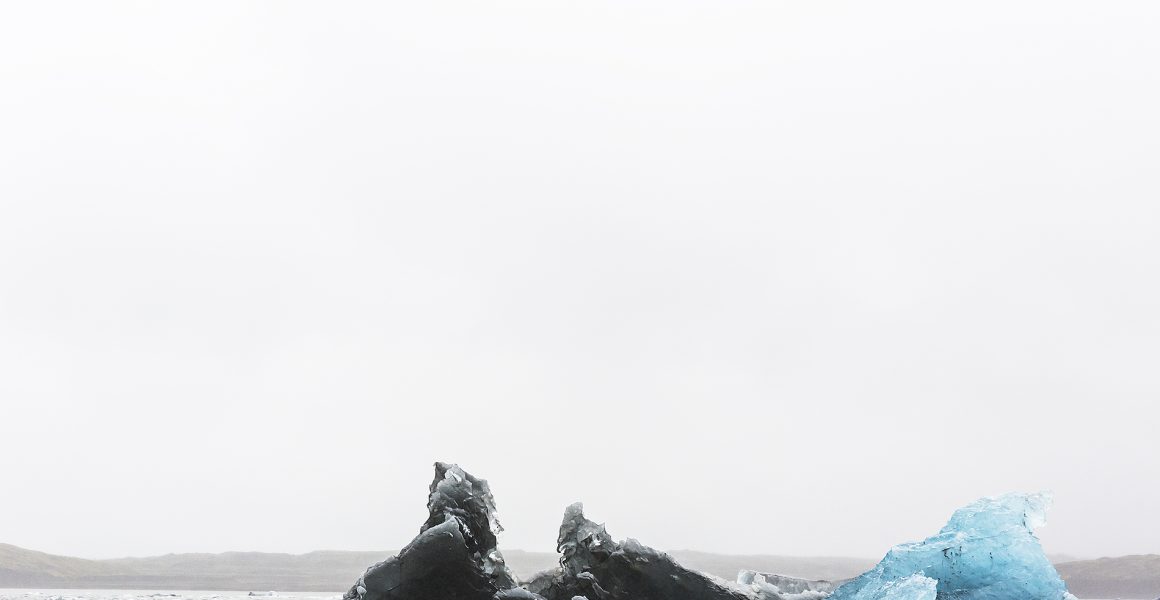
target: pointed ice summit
454 557
596 567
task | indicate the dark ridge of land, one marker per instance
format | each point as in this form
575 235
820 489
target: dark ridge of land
1135 576
328 570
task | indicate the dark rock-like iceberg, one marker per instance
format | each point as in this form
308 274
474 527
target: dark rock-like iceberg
594 566
454 557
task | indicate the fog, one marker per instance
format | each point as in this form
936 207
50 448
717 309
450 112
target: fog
769 277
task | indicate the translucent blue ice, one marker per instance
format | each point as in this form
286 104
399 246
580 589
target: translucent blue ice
913 587
987 551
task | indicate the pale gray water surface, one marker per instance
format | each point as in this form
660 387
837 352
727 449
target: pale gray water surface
38 594
47 594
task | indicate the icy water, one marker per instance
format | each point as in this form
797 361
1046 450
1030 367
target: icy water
33 594
30 594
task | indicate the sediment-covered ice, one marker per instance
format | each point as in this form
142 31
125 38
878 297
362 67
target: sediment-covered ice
595 566
454 557
987 551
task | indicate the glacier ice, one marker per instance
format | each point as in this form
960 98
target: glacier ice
594 566
454 557
770 585
987 551
911 587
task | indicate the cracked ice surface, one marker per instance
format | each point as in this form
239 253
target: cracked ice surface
987 551
913 587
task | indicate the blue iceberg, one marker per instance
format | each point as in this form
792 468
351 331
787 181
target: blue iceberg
987 551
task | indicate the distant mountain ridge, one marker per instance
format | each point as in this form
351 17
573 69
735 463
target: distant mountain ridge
315 571
1136 576
335 570
328 570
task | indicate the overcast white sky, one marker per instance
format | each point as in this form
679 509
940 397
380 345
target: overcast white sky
780 277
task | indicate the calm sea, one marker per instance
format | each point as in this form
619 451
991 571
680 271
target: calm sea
35 594
32 594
